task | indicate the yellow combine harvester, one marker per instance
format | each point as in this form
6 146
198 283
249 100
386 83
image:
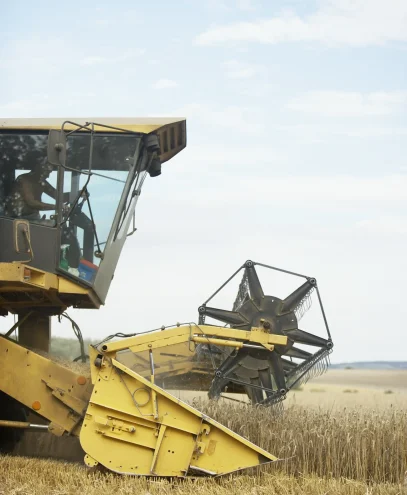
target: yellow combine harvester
62 252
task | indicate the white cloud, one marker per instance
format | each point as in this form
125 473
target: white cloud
24 107
237 118
102 22
306 191
346 103
345 22
113 59
220 157
229 5
131 54
388 188
93 60
240 70
165 84
369 132
246 5
384 224
308 132
41 56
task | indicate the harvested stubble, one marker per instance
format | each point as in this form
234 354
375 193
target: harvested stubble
356 444
23 476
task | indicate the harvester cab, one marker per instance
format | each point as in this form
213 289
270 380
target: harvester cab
68 192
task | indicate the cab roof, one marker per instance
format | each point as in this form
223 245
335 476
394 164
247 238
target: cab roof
144 125
171 130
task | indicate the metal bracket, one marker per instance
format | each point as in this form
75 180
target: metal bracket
76 405
22 239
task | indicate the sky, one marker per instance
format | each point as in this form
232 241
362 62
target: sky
296 155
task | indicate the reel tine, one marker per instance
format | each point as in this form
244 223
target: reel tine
304 305
243 292
255 288
296 298
312 368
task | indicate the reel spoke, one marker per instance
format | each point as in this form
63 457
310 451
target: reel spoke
306 338
230 317
292 301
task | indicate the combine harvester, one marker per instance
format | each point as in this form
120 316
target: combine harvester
63 253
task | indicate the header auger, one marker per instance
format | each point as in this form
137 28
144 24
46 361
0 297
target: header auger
62 252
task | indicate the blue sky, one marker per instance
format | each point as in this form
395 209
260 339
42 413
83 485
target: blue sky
297 146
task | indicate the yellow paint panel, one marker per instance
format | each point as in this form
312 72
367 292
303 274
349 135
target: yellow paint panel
136 124
25 274
175 453
24 375
66 286
47 288
121 433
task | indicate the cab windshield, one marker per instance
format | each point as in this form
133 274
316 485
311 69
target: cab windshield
94 177
80 199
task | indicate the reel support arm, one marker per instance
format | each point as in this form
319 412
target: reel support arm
208 334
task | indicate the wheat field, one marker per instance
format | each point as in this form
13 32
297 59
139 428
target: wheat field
362 445
330 448
23 476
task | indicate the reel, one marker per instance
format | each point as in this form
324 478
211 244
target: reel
266 376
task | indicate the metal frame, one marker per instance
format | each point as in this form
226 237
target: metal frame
313 365
195 333
254 263
120 219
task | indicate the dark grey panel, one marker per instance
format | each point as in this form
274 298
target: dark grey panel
43 242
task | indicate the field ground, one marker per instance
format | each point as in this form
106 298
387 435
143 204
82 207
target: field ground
343 433
22 476
336 389
373 379
371 389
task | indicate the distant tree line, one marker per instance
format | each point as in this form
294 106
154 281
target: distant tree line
68 348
